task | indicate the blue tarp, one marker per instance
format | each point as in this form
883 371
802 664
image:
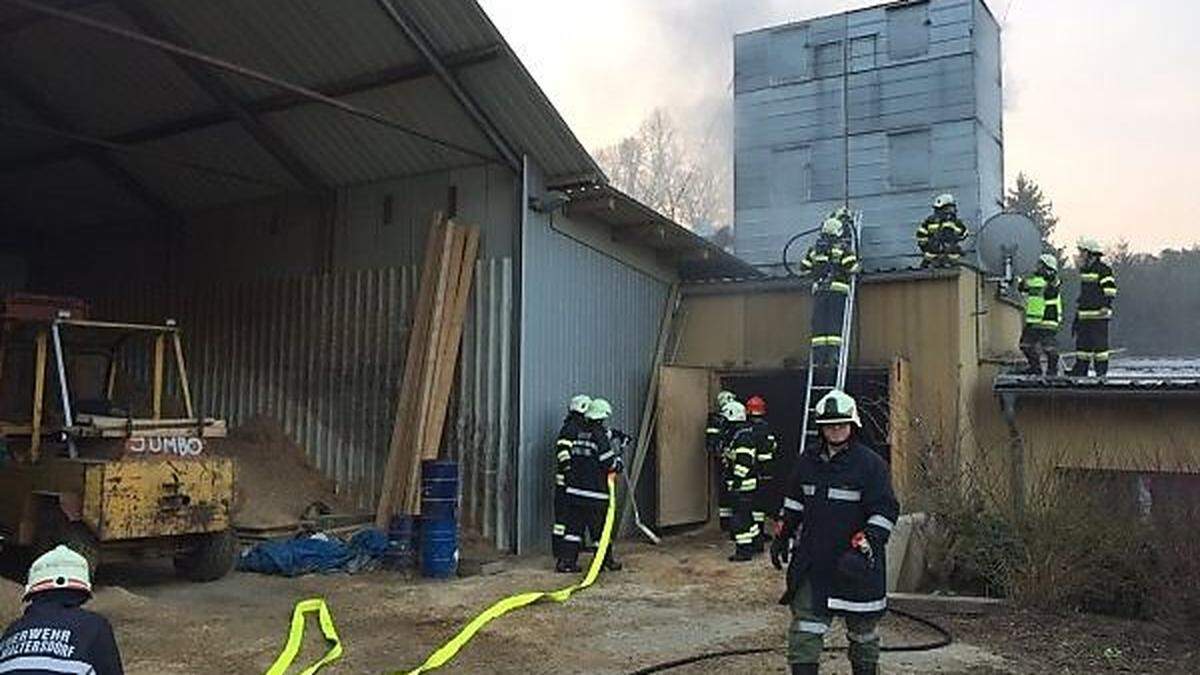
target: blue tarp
318 553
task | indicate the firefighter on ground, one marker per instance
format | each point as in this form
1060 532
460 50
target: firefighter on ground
765 500
55 634
831 264
592 458
714 443
571 426
1097 289
1043 315
941 236
840 500
741 481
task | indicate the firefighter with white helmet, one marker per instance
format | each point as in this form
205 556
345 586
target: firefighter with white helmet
831 264
571 425
1093 311
55 634
591 458
941 236
714 443
741 481
1043 315
840 508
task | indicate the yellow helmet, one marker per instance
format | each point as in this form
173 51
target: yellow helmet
598 409
725 396
832 227
579 403
1090 245
734 411
1049 260
944 200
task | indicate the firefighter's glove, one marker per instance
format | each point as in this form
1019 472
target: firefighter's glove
781 551
618 465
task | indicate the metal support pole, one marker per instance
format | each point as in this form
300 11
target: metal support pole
68 418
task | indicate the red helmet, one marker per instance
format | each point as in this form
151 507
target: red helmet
756 406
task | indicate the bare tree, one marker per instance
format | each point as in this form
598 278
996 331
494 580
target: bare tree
670 173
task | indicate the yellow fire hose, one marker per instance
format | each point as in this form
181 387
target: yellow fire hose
448 651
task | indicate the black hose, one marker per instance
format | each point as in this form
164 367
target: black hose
944 639
787 247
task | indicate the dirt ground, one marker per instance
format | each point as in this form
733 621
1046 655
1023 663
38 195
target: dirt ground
673 601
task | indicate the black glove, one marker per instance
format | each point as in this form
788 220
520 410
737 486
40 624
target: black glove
618 465
781 551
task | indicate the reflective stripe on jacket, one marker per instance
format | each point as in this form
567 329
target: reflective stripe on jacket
1043 301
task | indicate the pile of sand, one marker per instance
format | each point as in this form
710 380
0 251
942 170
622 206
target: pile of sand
275 482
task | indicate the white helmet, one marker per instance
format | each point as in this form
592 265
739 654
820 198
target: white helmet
579 403
725 396
837 407
1049 260
59 568
598 409
734 411
832 227
1090 245
944 200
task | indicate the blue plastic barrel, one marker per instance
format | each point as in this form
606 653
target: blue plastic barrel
439 490
439 547
402 543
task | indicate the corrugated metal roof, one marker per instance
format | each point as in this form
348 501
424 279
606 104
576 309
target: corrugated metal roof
1139 377
695 257
110 87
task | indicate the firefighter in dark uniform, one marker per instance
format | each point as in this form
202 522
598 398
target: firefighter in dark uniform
840 499
741 454
562 448
941 236
831 264
1043 314
56 635
765 500
714 443
1097 289
592 459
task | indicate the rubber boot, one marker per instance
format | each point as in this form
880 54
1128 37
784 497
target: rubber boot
864 668
611 563
1101 368
742 554
1034 359
804 669
1052 364
567 567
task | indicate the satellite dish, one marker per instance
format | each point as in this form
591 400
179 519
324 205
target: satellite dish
1009 245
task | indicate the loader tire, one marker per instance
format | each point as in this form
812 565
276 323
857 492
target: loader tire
210 558
54 529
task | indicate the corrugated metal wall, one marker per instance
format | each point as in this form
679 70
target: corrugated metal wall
924 119
324 356
589 325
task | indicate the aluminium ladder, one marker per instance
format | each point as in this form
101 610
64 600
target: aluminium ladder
814 390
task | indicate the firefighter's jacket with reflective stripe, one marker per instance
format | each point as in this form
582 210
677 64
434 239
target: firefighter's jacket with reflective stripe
1043 300
563 444
714 431
942 231
592 458
830 263
741 455
766 448
829 499
56 636
1097 288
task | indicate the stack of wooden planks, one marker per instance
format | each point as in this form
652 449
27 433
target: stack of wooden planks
433 346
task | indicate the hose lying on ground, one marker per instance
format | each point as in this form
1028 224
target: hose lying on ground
944 639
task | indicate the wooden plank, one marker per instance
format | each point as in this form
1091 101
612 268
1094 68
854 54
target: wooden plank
451 342
448 270
648 408
39 395
683 496
903 455
414 358
159 348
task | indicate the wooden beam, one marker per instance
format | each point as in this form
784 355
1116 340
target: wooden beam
183 375
159 348
39 395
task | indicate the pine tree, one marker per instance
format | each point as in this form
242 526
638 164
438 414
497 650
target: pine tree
1027 198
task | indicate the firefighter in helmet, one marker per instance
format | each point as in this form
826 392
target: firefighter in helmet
941 236
831 265
1094 310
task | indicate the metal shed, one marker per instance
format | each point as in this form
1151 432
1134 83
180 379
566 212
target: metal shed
266 174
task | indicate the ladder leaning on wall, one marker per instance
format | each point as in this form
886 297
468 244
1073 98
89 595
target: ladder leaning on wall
814 389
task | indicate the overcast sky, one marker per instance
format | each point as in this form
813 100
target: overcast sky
1102 97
